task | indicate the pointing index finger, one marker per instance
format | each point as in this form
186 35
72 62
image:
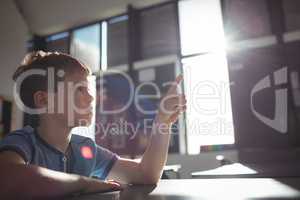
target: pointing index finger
176 83
179 79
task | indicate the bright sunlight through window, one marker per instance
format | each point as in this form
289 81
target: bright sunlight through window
207 87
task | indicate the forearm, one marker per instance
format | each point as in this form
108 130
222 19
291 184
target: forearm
155 156
30 182
148 170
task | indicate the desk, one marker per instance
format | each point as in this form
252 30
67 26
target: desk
238 170
195 189
172 169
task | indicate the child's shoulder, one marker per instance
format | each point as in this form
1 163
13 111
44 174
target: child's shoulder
78 139
26 131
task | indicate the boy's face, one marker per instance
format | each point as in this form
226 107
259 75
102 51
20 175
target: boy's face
77 99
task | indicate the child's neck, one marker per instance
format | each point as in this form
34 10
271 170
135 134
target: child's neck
55 133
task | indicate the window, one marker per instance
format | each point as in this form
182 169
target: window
157 31
30 46
246 19
105 45
85 46
90 130
155 64
113 100
117 41
114 121
58 42
209 114
103 38
153 78
200 26
292 14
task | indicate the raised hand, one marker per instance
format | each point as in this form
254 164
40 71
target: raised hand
172 104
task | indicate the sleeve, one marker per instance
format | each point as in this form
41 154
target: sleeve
17 142
105 160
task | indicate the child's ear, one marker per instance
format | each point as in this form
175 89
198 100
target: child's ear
40 99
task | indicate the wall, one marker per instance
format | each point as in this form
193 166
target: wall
13 37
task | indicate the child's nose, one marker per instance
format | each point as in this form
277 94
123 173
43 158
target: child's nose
90 98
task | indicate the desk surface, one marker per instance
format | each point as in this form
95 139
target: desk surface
192 189
238 170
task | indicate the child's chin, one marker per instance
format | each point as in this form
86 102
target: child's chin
83 122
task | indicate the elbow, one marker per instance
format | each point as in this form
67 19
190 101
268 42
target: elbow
149 175
150 181
151 178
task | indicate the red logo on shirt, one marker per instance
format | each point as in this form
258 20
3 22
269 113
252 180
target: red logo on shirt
87 152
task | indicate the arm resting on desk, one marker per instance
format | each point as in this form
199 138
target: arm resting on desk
19 180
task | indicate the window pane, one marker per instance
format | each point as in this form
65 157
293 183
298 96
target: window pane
201 27
158 31
114 122
117 41
246 19
292 14
209 114
153 81
58 42
103 46
86 46
126 128
88 131
30 46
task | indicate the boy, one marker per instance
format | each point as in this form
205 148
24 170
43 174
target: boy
46 160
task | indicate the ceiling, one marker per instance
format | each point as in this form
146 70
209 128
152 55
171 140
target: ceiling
46 17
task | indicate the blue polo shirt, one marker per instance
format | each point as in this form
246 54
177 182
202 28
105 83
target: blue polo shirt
84 157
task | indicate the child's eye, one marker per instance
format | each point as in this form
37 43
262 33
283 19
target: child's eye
84 89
